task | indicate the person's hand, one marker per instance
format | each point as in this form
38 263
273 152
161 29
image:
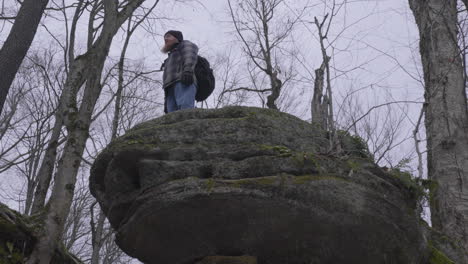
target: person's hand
187 78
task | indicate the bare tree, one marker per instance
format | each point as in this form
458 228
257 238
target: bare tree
322 103
12 128
47 166
319 103
85 69
381 125
39 113
262 34
18 42
446 115
228 73
27 131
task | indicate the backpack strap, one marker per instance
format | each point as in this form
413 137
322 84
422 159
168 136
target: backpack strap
162 65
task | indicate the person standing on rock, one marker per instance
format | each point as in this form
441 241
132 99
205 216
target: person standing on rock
179 82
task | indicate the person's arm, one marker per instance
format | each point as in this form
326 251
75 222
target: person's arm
190 56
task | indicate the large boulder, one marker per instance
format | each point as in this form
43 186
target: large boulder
247 181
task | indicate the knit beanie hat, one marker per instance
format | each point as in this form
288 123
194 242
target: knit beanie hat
177 34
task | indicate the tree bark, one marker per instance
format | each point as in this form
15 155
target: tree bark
318 105
45 172
86 68
62 193
446 116
99 228
18 42
44 175
29 196
276 85
327 102
97 238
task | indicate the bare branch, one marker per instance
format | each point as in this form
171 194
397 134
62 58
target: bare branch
378 106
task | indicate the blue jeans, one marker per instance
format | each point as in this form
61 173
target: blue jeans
180 96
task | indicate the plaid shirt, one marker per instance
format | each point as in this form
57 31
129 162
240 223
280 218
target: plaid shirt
181 59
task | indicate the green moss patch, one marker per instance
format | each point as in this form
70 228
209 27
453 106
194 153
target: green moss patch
353 145
18 236
9 254
282 151
437 257
308 178
413 185
14 237
261 181
270 181
353 165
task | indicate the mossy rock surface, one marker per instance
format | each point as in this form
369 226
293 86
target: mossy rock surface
444 250
248 181
18 236
437 257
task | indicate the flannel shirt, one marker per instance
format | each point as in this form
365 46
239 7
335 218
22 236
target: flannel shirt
182 58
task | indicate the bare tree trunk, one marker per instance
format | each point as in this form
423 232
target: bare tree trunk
77 124
87 67
36 153
416 143
44 175
318 105
328 99
120 86
29 196
97 232
62 194
18 42
446 116
276 85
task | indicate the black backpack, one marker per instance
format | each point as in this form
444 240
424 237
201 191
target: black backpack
205 79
